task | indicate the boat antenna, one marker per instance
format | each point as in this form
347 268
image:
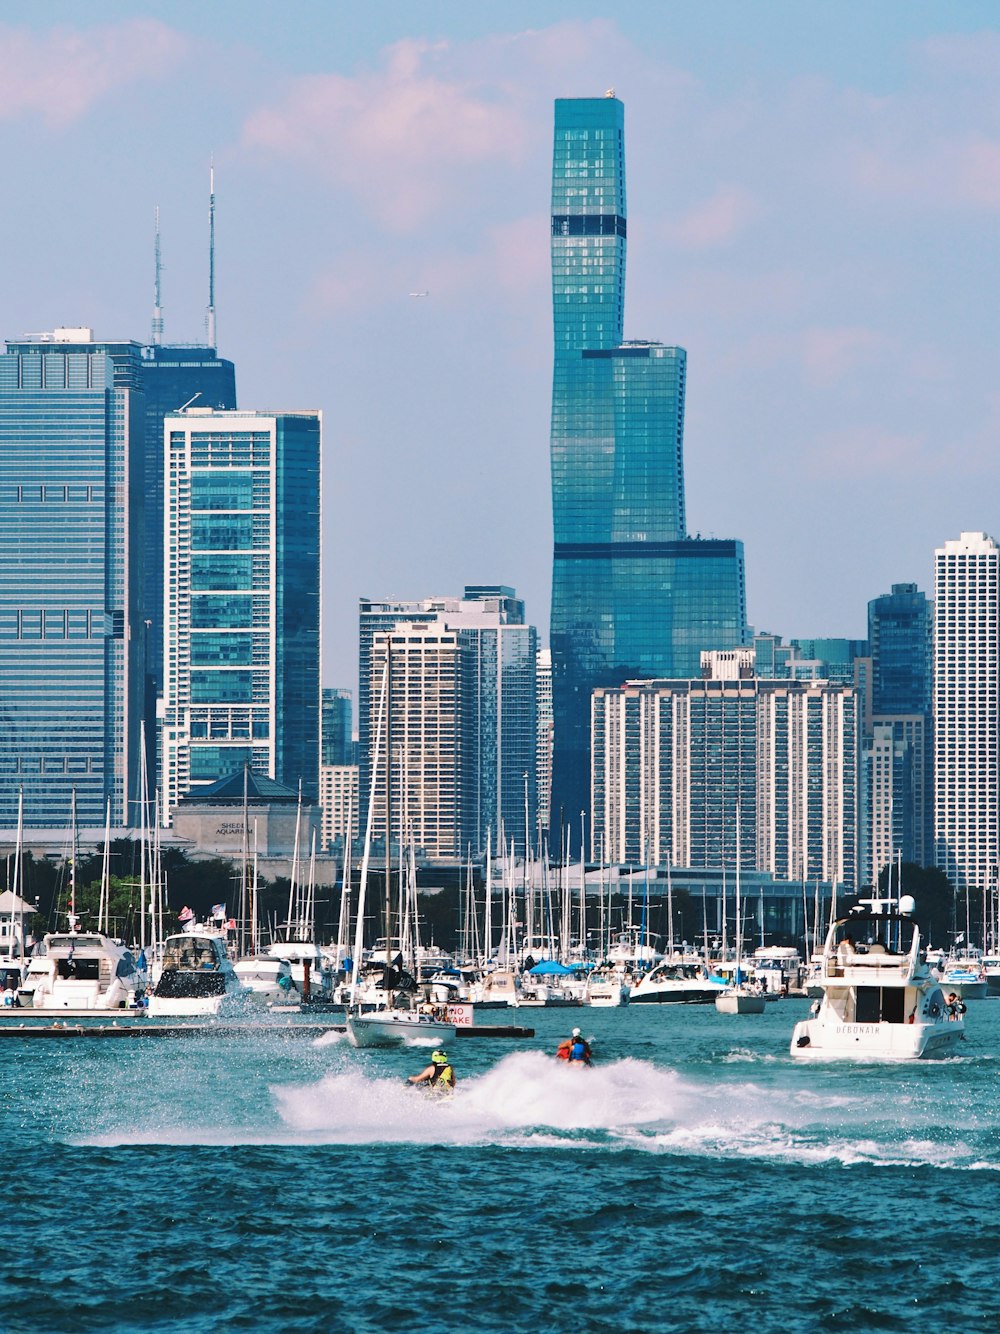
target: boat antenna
157 325
210 312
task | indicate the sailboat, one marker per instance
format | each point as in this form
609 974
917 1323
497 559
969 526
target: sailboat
389 1023
740 998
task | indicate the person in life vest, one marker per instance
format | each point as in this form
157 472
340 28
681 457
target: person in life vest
438 1075
578 1049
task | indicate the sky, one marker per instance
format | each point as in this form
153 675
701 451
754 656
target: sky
813 199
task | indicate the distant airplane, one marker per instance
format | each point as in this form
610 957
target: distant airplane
420 294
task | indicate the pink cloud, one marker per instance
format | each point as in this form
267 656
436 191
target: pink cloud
866 451
716 221
60 74
396 136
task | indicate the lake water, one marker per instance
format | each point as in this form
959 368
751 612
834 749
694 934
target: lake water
696 1178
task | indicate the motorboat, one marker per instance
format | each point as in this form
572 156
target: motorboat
991 967
880 998
388 1028
267 979
606 987
740 998
79 970
197 978
676 983
966 976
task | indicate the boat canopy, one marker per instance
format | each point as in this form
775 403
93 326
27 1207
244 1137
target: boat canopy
551 968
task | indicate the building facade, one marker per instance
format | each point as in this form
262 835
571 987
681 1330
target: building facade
242 599
173 377
337 726
494 666
632 595
338 799
899 756
683 770
966 717
71 541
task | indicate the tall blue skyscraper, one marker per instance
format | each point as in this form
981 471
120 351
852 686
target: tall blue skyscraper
632 595
71 537
242 599
173 376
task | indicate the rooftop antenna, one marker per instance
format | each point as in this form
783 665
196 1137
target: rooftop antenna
157 330
210 313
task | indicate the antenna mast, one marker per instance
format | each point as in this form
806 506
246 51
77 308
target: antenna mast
157 330
210 313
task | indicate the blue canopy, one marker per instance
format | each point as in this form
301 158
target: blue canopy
550 966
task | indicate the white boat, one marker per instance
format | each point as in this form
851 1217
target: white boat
740 997
991 967
387 1028
197 978
606 988
880 997
676 983
966 977
267 979
79 970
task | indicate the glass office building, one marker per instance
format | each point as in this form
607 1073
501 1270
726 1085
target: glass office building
242 595
71 532
173 377
337 722
632 595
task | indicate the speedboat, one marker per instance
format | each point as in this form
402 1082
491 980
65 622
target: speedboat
79 970
880 997
606 987
197 978
676 983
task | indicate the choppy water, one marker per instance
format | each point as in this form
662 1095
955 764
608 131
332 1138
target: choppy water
695 1179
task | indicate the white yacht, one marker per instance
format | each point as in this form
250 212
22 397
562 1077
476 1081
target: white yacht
197 978
880 997
606 987
267 980
965 975
79 970
676 983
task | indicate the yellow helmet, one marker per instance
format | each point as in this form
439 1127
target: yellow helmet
439 1057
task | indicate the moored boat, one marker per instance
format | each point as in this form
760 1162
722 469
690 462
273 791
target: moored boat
197 978
880 997
676 983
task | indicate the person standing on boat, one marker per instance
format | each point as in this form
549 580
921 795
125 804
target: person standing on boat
956 1006
438 1075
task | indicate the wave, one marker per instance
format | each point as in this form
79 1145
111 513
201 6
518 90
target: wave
529 1099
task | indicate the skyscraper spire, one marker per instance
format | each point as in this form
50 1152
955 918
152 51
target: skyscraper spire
157 329
210 313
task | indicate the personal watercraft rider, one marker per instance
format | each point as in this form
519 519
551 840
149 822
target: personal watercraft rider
438 1075
575 1048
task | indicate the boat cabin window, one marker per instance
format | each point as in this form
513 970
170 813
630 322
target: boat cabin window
79 970
885 1004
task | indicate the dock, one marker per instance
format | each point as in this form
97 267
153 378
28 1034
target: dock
139 1027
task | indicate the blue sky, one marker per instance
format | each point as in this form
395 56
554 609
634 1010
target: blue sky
814 191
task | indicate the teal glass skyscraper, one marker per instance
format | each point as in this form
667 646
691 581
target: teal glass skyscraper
632 596
242 599
71 626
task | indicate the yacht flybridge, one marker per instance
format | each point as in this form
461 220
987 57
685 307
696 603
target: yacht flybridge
879 997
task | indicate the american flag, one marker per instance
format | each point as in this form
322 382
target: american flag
185 915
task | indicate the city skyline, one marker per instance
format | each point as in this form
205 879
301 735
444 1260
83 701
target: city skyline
834 295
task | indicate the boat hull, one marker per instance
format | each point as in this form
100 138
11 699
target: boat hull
739 1003
388 1028
695 995
817 1040
976 989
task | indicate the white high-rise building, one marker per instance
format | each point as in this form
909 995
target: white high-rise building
966 709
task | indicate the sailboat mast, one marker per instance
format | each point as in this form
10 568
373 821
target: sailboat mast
359 932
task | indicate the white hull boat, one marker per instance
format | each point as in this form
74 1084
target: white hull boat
196 980
387 1028
80 971
740 1000
881 1000
675 984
